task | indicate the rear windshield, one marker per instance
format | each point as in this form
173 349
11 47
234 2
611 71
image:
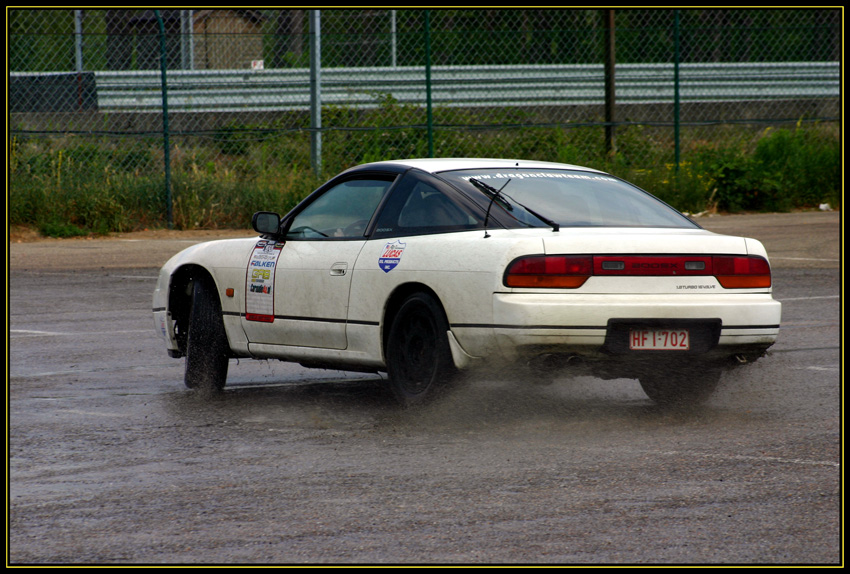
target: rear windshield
569 198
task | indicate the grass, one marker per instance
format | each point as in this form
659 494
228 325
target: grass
66 186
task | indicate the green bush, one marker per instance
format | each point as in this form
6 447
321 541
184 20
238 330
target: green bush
61 229
800 166
788 169
730 177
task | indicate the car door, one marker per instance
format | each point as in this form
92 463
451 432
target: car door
307 277
411 242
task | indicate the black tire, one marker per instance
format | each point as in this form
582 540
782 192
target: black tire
207 349
681 388
419 361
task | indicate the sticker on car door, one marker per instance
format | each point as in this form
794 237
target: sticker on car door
259 281
391 255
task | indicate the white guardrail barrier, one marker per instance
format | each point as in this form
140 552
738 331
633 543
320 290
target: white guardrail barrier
469 86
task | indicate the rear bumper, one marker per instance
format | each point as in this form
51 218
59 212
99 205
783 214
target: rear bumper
527 324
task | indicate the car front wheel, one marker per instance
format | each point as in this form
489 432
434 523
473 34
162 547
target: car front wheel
206 346
419 361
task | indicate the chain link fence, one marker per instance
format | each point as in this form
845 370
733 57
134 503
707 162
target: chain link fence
115 114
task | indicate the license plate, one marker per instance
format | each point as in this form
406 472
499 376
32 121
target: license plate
659 340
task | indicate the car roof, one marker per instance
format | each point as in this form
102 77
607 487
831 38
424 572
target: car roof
436 165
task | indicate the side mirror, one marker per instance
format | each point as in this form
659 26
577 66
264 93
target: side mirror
266 223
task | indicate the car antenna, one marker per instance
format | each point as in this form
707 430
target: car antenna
493 193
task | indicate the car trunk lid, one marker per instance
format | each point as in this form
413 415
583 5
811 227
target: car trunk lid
626 241
626 261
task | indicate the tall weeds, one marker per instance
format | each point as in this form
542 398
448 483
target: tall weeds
76 185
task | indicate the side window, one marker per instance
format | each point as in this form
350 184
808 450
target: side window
417 207
342 212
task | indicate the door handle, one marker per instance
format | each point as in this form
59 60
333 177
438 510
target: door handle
339 269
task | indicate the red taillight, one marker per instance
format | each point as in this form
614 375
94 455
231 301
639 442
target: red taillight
559 271
570 272
741 272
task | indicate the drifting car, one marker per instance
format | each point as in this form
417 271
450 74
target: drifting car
421 268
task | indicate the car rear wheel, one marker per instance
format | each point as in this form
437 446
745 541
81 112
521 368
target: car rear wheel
206 346
687 387
419 360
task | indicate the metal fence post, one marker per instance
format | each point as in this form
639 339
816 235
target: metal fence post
429 111
78 40
187 40
610 92
166 145
676 127
393 39
316 91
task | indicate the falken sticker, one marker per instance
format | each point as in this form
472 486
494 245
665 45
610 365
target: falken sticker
259 281
392 255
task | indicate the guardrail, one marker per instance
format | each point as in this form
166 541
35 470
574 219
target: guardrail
469 86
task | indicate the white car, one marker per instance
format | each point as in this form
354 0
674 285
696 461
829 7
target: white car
420 268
